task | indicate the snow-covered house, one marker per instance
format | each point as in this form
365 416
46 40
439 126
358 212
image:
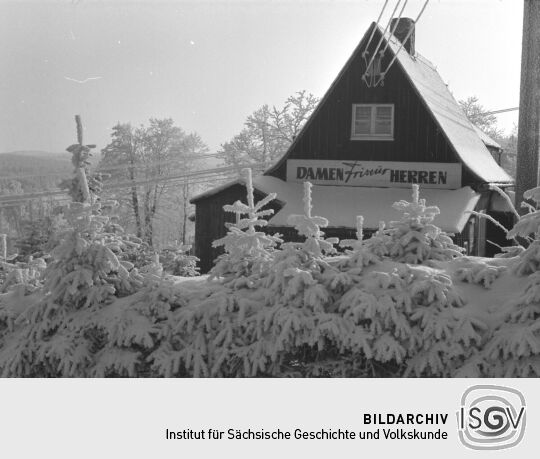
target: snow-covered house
387 121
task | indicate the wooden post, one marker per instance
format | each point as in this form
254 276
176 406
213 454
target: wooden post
528 148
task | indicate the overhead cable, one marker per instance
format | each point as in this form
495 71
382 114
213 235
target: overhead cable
380 41
403 43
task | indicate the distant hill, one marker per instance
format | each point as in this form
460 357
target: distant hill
37 153
34 170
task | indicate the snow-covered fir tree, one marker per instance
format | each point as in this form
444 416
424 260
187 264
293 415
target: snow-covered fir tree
286 326
359 253
415 239
415 319
247 250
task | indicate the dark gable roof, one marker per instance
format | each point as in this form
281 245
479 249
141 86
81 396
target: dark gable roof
440 103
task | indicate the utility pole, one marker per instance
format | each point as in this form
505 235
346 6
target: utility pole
528 148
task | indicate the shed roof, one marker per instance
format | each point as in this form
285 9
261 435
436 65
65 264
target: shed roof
341 204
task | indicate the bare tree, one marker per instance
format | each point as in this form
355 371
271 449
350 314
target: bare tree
150 155
268 132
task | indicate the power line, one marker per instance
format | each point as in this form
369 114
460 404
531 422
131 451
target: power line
205 176
402 44
159 163
117 167
205 172
376 25
52 174
380 42
393 29
503 110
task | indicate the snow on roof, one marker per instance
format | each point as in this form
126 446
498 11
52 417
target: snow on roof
215 190
488 141
499 204
447 112
341 204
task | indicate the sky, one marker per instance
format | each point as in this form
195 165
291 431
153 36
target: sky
209 64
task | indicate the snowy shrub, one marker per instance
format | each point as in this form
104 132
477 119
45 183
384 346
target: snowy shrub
126 332
84 274
178 262
35 236
300 271
479 272
25 274
247 251
415 318
286 327
414 239
528 224
237 333
514 350
360 253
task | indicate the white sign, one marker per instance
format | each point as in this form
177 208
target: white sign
375 173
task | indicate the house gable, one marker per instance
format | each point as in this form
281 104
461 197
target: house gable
421 131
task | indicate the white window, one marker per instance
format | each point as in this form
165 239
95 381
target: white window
372 122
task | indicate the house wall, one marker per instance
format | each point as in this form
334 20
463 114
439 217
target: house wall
417 137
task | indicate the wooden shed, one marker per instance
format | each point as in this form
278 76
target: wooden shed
377 130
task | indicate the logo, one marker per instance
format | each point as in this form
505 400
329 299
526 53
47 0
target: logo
491 417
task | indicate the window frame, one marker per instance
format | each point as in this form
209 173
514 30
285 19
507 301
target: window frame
372 135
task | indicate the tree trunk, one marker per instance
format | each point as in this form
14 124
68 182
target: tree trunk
135 205
184 215
148 230
134 195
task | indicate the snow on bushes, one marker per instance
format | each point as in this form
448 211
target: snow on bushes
84 274
514 349
284 327
247 251
312 316
176 261
479 272
415 239
415 317
270 308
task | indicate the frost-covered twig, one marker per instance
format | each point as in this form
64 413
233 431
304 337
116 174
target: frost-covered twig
488 217
505 196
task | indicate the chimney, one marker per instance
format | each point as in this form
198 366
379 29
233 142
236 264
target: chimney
403 27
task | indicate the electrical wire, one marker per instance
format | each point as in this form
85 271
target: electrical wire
382 75
394 28
374 28
205 176
380 42
160 163
502 110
